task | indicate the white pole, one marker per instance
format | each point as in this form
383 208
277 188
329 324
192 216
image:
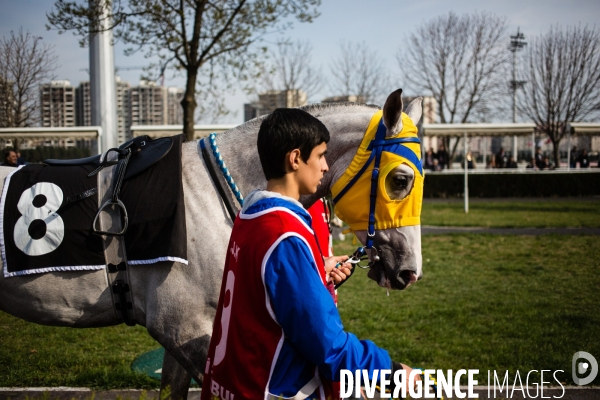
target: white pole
533 147
466 177
485 152
514 116
569 148
102 80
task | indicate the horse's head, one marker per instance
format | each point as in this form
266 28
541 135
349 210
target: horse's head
381 192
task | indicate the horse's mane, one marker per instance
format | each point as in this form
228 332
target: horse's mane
318 110
328 108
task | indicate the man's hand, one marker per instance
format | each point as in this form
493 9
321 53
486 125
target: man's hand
343 270
412 383
416 377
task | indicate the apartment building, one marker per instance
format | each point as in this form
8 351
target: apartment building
272 99
146 104
148 101
174 109
57 104
254 110
123 112
83 104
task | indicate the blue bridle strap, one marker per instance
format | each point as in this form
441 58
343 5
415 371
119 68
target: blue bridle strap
354 179
377 146
387 142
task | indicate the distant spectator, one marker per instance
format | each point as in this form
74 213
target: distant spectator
539 158
429 158
20 160
10 159
512 163
573 160
470 161
501 159
442 157
436 165
547 164
583 159
531 164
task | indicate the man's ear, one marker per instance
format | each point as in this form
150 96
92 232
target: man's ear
293 160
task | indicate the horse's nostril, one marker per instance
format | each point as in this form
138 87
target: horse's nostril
407 276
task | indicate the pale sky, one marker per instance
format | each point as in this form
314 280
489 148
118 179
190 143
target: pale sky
382 24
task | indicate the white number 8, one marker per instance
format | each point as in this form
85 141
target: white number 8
48 198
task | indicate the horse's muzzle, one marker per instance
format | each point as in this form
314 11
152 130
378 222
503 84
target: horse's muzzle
390 279
397 261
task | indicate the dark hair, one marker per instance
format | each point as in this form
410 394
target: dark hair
7 153
284 130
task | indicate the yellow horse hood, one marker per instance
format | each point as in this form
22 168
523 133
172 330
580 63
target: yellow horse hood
360 183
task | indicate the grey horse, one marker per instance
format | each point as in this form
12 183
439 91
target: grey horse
176 302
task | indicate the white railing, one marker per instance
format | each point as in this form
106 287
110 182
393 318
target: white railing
75 132
493 171
95 132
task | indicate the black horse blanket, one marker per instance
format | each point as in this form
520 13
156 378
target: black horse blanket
46 216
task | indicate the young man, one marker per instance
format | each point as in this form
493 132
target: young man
277 332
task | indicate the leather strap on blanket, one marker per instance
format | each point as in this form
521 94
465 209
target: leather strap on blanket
110 220
114 200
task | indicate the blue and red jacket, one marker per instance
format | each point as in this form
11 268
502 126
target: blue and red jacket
319 213
277 331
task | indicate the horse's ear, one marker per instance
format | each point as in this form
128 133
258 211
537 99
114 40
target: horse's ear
392 113
415 110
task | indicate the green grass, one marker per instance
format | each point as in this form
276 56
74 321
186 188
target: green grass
509 214
36 355
486 302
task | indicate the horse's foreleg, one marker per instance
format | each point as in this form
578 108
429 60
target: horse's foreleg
175 377
182 363
180 318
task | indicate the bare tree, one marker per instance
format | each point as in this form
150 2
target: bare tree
211 42
6 103
359 71
457 60
562 70
25 63
290 67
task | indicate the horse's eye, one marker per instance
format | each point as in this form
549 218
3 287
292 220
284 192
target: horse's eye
400 182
